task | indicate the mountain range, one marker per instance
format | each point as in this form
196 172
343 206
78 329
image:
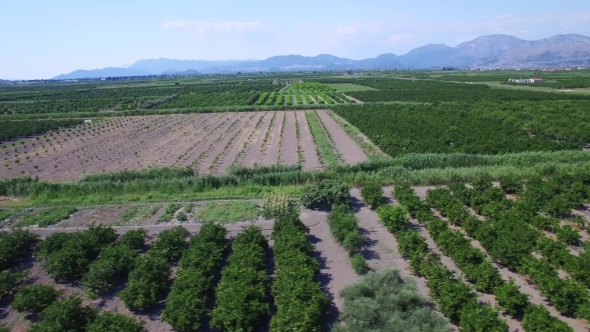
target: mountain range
495 51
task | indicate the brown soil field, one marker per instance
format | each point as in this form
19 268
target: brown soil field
346 146
208 142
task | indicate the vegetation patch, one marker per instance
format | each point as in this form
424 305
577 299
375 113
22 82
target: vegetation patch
48 217
226 212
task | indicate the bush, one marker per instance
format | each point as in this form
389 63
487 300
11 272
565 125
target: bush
186 305
242 299
393 217
475 318
113 263
10 281
53 244
510 298
114 322
14 247
277 205
170 244
181 216
66 315
34 298
326 194
48 217
300 302
344 227
372 194
147 282
568 235
134 239
511 184
383 301
72 260
359 264
538 319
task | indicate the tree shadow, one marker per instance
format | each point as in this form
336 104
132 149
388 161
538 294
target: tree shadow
368 244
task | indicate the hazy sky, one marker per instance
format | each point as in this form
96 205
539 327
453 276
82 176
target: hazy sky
41 39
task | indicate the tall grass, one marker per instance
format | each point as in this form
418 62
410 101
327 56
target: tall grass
180 184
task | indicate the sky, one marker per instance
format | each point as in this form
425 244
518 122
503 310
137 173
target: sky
42 39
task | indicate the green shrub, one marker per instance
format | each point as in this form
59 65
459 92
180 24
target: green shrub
53 244
134 239
475 317
359 264
147 282
34 298
344 227
169 212
48 217
383 301
14 247
568 235
276 205
115 322
66 315
242 299
510 298
372 194
113 263
325 193
511 184
181 216
170 244
10 281
538 319
395 218
186 305
72 260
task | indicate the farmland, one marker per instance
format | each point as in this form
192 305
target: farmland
296 202
208 143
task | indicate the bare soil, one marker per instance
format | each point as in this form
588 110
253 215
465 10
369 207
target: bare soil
346 146
289 141
212 142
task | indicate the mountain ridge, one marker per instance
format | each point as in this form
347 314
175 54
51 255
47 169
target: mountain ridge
492 51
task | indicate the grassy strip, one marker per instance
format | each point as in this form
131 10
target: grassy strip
169 213
325 149
48 217
185 189
227 212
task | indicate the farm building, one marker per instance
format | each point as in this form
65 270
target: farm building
525 80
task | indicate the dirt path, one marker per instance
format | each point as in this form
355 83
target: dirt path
353 99
381 247
270 155
346 146
336 271
288 148
310 161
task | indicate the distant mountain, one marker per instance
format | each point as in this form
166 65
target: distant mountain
181 73
496 51
101 73
161 65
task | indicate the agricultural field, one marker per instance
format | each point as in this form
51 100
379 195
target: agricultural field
379 201
208 143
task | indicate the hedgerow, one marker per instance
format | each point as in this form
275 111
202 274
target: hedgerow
299 300
170 244
71 259
34 298
15 246
147 282
113 264
242 299
192 289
